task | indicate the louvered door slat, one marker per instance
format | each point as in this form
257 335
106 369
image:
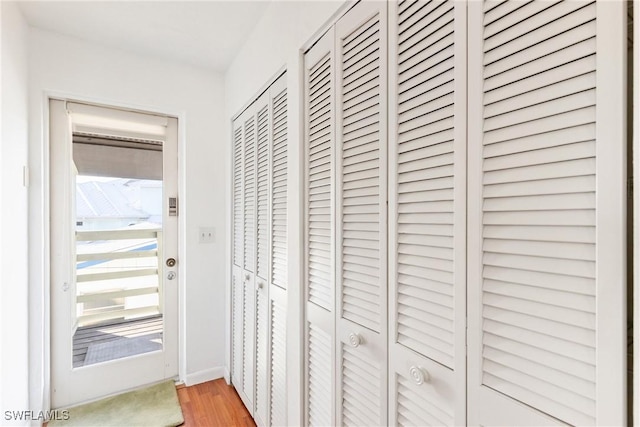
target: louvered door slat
262 202
237 363
538 85
361 94
319 98
319 168
238 218
554 360
544 80
248 343
278 379
279 190
361 204
265 157
263 367
414 408
538 14
249 193
319 377
545 62
427 207
361 390
572 28
416 206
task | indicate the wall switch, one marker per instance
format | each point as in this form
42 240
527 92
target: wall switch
207 234
25 176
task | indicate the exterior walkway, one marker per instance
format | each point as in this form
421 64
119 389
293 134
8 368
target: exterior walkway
146 330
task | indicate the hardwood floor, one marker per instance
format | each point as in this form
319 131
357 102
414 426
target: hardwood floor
213 403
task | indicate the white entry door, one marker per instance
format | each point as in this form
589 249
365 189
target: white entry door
113 240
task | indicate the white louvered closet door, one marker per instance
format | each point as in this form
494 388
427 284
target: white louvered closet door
246 390
361 215
319 223
427 208
237 278
546 213
263 231
277 387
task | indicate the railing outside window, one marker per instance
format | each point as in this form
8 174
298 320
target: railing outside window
118 274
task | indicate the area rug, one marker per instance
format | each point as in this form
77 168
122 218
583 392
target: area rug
156 406
124 347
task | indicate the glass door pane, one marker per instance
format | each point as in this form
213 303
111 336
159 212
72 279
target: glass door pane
118 230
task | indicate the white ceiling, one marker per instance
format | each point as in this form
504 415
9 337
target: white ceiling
202 33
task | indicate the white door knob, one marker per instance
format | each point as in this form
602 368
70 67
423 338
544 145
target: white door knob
246 276
354 339
419 375
260 284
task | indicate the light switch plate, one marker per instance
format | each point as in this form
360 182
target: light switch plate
207 234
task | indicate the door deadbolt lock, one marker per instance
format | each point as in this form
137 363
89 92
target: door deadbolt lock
171 262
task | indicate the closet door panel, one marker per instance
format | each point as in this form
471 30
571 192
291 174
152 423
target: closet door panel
262 358
319 180
361 97
319 368
263 199
237 327
547 237
427 205
259 282
277 357
263 231
279 164
237 286
250 150
249 190
319 92
238 199
421 393
277 411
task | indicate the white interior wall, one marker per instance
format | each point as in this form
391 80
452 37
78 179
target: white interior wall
73 68
14 273
276 42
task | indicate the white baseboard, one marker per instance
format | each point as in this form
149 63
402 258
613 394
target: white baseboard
205 375
227 376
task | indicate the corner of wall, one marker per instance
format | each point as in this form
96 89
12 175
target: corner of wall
206 375
14 308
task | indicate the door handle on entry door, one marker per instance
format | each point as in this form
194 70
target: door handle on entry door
171 262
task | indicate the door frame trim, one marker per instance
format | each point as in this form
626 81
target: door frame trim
42 363
636 213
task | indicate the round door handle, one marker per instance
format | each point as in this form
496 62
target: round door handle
354 339
171 262
419 375
247 276
260 284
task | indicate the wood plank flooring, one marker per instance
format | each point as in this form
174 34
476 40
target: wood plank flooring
111 331
211 404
